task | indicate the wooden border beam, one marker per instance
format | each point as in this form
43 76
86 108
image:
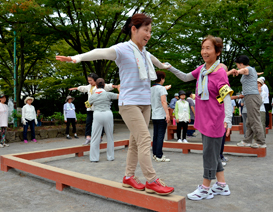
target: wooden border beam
106 188
77 150
186 147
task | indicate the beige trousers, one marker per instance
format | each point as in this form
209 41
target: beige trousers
137 118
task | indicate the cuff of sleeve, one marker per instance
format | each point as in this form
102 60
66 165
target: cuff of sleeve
75 58
229 125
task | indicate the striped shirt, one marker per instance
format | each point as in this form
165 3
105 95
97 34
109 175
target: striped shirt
133 91
249 82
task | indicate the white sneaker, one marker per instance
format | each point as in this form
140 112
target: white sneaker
185 141
219 190
4 144
200 193
163 159
1 146
224 163
87 142
242 143
179 141
255 145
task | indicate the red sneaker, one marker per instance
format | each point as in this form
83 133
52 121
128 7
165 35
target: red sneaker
133 182
158 187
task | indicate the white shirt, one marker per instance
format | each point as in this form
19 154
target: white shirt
233 104
266 90
158 111
3 115
87 89
263 95
182 110
28 112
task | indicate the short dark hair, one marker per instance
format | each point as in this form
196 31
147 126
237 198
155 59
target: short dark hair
160 75
136 20
217 42
242 59
94 76
188 93
100 83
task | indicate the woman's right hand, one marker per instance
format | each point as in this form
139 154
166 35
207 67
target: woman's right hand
168 118
177 120
65 59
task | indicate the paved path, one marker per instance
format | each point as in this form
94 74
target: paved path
249 178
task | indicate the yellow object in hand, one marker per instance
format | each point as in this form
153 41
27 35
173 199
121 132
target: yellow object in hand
87 105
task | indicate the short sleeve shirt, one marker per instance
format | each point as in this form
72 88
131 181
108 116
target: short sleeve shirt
249 82
158 111
210 114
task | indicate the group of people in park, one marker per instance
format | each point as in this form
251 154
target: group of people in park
136 98
212 108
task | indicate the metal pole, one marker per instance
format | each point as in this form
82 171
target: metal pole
14 67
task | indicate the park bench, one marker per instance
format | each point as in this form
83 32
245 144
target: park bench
171 129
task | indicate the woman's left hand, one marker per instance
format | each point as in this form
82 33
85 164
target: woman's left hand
166 65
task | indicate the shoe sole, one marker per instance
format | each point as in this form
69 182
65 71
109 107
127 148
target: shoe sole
208 197
243 146
129 186
150 191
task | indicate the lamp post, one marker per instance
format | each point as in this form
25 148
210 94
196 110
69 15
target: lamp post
14 67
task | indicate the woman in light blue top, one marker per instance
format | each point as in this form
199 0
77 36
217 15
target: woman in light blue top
136 71
70 116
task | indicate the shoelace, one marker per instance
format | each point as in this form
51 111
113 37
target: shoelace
136 179
161 182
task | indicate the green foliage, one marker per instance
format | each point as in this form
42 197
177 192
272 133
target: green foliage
16 115
81 117
48 28
116 115
58 117
236 111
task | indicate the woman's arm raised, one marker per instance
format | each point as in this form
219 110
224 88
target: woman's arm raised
96 54
181 75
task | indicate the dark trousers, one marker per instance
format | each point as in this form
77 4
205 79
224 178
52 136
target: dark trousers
190 132
73 122
31 124
160 126
223 145
267 108
185 129
89 121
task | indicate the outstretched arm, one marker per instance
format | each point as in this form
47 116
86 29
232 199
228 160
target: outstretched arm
181 75
158 64
96 54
